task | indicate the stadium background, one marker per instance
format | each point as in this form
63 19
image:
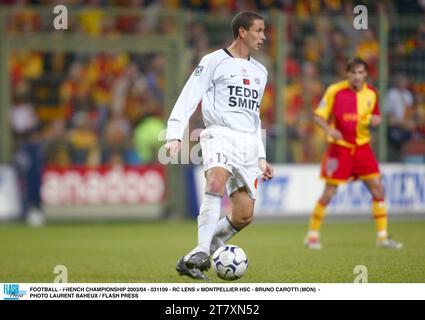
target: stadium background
82 108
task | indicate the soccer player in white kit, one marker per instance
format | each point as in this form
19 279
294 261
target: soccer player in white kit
230 84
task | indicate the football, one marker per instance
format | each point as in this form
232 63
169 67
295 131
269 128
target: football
230 262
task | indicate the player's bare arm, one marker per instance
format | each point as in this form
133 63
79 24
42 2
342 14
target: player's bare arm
322 123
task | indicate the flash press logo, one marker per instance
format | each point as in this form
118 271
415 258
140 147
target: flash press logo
12 292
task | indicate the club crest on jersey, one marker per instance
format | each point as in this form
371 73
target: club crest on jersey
331 166
369 103
246 82
198 71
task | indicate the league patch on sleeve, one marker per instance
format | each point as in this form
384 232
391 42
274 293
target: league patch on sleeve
198 71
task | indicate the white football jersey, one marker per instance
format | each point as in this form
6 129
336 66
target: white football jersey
231 90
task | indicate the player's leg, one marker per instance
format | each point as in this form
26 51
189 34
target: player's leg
209 215
379 212
241 216
367 169
218 168
312 240
242 210
198 260
242 188
336 168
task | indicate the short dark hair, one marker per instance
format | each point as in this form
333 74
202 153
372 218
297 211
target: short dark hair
245 20
354 62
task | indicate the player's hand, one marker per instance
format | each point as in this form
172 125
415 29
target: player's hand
375 120
335 134
267 170
173 146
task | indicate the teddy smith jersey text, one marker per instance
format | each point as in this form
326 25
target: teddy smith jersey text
230 89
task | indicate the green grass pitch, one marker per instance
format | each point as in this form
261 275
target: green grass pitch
147 252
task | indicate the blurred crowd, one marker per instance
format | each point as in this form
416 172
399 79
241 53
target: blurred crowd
108 108
92 109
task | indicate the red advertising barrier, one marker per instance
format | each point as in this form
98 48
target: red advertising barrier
104 185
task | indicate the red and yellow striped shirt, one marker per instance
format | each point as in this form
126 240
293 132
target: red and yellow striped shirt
350 112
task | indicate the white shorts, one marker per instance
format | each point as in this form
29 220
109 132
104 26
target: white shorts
235 151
